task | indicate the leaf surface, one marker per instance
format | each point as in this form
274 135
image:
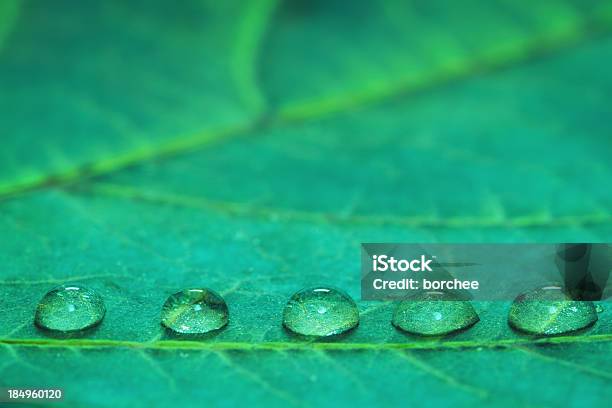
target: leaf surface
250 148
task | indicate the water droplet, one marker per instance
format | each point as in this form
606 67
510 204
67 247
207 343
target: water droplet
320 311
550 310
599 308
194 311
69 308
434 314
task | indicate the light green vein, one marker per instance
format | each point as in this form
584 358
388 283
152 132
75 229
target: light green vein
442 376
9 13
109 165
285 346
52 281
587 30
542 46
566 363
250 33
246 210
288 398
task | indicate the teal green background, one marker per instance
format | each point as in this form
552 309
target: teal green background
251 146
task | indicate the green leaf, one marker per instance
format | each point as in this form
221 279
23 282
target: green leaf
89 89
9 10
250 148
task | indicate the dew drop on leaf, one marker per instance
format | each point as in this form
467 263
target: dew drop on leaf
599 308
194 311
320 311
434 314
550 311
69 308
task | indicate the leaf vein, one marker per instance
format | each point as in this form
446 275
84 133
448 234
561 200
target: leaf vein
281 346
590 28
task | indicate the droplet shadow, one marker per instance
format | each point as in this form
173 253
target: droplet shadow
73 334
577 332
169 334
320 339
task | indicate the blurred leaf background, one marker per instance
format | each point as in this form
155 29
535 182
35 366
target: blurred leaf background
250 146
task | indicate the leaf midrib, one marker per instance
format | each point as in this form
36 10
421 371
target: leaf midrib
287 346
